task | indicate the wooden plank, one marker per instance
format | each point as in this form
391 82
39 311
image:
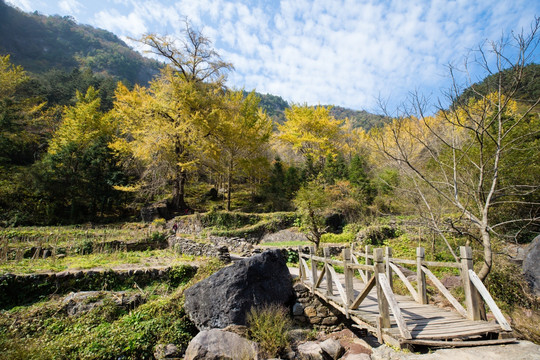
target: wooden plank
489 300
404 261
339 287
402 325
349 275
442 343
460 309
441 264
472 298
442 334
306 269
381 299
388 255
420 277
427 263
406 281
320 277
329 287
362 275
362 296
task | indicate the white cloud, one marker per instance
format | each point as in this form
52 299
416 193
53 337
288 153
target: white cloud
25 5
70 6
131 24
343 52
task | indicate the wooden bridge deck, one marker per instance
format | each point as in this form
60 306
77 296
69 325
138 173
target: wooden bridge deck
415 323
428 324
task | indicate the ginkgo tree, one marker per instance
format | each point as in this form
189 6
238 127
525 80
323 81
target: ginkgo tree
79 170
311 132
20 117
163 126
241 135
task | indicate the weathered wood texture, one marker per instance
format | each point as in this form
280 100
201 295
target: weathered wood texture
402 319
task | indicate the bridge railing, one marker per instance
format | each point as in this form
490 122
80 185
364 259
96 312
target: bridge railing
378 270
347 299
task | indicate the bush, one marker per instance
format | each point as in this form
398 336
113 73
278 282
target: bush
269 327
338 238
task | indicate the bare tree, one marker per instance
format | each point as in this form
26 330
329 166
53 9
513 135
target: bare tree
460 156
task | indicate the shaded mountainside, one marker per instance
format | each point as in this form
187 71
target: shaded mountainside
40 43
275 107
359 118
528 91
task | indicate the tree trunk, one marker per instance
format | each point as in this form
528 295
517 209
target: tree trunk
488 254
178 201
229 180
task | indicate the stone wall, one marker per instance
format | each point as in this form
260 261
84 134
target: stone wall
309 309
21 289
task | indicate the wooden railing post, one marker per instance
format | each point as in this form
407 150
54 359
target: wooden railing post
313 267
388 256
301 273
368 262
329 284
420 276
349 275
381 298
472 298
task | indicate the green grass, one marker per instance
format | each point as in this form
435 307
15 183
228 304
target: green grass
45 331
103 260
295 243
237 224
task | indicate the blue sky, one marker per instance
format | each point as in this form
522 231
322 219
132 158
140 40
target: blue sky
341 52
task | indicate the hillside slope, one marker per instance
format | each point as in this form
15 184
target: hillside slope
40 43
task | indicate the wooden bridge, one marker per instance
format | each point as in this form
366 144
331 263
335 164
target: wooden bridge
364 293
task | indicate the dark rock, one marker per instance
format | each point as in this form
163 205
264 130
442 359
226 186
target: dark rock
223 254
226 297
530 265
220 345
298 309
155 211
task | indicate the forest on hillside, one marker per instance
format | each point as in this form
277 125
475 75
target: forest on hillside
93 135
77 145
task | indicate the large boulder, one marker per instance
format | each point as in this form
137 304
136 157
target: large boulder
225 297
217 344
530 265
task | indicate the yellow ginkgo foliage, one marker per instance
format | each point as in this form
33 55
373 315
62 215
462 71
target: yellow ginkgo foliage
311 131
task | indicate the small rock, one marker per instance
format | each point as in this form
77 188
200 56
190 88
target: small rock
333 348
331 320
169 351
217 344
297 309
357 357
310 311
322 311
298 335
310 351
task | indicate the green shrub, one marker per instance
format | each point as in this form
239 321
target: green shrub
338 238
269 327
228 219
